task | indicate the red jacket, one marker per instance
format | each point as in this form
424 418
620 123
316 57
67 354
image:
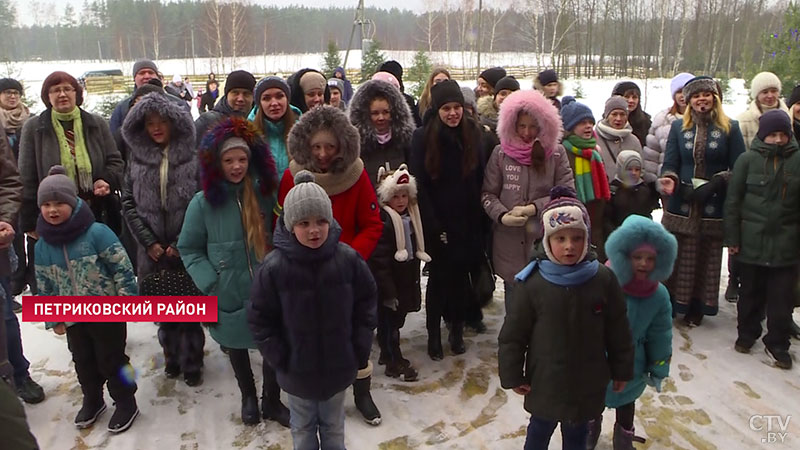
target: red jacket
356 210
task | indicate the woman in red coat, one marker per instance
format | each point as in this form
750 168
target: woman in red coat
324 142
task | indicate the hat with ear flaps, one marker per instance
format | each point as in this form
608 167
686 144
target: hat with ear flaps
261 164
389 184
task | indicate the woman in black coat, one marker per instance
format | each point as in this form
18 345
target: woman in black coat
446 158
160 183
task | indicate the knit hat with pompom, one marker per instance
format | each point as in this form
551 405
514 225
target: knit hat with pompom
305 200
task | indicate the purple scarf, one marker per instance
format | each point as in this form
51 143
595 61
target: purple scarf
81 219
640 288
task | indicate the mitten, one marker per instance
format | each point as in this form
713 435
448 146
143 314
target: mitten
654 381
510 220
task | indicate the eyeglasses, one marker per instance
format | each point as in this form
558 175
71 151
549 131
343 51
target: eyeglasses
11 93
64 90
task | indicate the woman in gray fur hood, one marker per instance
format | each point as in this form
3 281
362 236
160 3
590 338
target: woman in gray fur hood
160 181
383 119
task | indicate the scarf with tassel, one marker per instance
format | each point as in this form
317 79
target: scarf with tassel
591 181
74 155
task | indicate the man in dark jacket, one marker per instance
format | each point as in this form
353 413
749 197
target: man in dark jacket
209 97
237 101
394 68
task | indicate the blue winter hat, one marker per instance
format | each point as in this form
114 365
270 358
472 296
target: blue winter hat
572 112
632 234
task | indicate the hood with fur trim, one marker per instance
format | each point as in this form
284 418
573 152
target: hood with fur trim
403 125
392 181
635 231
298 98
486 107
181 123
330 118
535 104
261 165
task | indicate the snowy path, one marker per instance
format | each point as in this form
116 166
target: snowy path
457 404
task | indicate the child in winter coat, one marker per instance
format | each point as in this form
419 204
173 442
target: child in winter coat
761 222
630 194
565 332
395 266
78 256
548 84
312 313
641 253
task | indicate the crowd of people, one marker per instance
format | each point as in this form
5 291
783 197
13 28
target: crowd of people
309 208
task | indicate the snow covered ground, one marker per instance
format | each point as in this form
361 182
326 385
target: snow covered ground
457 404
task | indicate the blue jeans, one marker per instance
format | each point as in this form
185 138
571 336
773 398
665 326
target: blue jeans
14 337
573 435
307 417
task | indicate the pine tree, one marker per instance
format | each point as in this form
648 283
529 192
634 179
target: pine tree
371 60
783 49
332 59
418 73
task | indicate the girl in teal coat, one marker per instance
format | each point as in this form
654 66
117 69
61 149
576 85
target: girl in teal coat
641 253
226 234
274 117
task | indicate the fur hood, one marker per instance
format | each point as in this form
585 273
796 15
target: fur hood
402 123
635 231
261 166
181 129
324 117
539 87
298 97
391 182
487 108
535 104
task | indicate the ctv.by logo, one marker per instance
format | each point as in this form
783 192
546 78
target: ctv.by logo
775 427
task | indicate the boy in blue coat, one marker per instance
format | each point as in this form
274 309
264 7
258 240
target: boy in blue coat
312 313
641 253
77 256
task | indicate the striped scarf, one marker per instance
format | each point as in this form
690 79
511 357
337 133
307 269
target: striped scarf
74 155
591 181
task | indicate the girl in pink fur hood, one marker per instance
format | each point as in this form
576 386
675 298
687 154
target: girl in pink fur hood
519 175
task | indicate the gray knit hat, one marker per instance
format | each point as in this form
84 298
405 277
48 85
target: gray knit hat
144 64
306 199
57 187
232 143
615 102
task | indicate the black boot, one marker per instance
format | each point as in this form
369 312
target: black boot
124 415
30 391
93 406
271 406
240 361
435 345
595 426
364 402
456 338
624 439
732 291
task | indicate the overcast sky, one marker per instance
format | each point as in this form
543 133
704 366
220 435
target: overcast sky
26 14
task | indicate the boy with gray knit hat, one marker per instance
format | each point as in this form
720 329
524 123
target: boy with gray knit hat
313 310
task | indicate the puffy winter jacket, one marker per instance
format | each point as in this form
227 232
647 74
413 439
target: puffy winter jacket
312 313
748 120
656 144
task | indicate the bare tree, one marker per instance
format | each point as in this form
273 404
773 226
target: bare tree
155 14
237 30
497 17
213 31
682 39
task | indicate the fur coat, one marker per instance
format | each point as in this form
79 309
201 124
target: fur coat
373 153
149 219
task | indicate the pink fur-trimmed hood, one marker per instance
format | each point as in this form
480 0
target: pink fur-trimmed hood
535 104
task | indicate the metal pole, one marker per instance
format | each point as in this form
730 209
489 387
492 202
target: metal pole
191 30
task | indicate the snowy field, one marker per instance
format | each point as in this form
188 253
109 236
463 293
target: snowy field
707 403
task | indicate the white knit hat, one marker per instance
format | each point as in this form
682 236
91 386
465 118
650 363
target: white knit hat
564 211
762 81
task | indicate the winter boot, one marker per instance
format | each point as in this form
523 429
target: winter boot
271 406
595 426
92 408
16 306
456 338
732 291
435 342
192 340
193 378
240 361
250 414
124 415
781 358
363 399
29 391
794 330
624 439
402 370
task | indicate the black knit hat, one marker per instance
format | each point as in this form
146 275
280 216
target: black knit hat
268 83
508 82
59 77
240 79
795 97
10 83
493 75
445 92
772 121
548 76
394 68
624 86
152 85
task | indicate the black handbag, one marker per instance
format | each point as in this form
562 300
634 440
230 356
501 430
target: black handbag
169 279
482 282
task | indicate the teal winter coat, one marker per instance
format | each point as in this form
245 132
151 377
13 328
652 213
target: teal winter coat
213 249
649 316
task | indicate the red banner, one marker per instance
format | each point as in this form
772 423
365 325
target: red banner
119 309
